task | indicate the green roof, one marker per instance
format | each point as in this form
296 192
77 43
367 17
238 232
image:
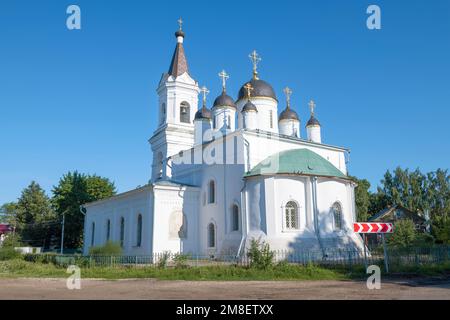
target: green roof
297 161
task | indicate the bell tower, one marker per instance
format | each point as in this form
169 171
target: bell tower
177 105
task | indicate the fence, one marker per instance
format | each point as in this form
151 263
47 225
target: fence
330 258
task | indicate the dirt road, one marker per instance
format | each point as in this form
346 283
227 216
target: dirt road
156 289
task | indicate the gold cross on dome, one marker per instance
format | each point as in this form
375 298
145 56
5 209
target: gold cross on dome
224 77
180 23
312 106
204 91
248 87
288 92
255 58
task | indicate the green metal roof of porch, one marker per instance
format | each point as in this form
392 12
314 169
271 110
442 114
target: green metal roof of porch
297 161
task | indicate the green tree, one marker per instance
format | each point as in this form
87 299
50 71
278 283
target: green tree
441 230
438 194
8 213
404 233
417 192
73 190
377 202
35 216
362 198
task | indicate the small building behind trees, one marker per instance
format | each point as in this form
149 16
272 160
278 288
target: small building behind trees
393 214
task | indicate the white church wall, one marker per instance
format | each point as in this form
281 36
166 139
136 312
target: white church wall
175 219
285 190
228 183
289 127
267 198
329 192
173 92
267 115
262 147
224 118
313 133
172 135
128 205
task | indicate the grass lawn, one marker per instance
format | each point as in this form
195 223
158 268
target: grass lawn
20 268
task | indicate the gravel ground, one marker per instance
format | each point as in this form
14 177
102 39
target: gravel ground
283 290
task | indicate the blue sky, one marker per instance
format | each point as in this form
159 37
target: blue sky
85 100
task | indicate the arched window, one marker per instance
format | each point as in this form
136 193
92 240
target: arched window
122 231
163 113
337 216
183 230
139 231
108 230
211 235
178 225
235 218
185 112
93 234
228 122
291 215
211 192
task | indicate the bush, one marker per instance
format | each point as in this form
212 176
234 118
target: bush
424 239
260 255
12 266
12 240
44 258
108 249
405 233
163 260
441 230
9 253
181 260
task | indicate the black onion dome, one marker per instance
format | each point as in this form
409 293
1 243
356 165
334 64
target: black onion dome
313 122
224 100
203 113
288 114
179 33
249 106
260 89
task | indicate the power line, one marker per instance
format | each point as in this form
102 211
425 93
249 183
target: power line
39 223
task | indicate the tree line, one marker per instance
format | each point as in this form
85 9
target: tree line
416 191
37 218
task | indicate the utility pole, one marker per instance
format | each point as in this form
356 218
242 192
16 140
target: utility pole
62 231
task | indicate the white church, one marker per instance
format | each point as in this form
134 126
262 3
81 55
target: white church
226 174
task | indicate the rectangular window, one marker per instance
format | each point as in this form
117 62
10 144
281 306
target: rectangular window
271 119
139 231
93 234
108 230
122 231
212 192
